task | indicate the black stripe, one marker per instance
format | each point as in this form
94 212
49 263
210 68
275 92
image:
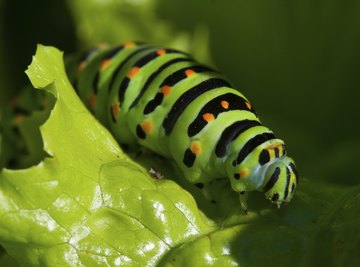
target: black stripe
140 132
186 98
95 82
230 133
154 75
214 107
189 158
110 54
118 70
276 150
123 86
264 157
170 50
152 104
86 55
293 168
149 57
113 52
146 59
273 179
179 75
288 175
252 144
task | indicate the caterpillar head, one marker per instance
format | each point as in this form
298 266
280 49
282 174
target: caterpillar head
267 168
280 180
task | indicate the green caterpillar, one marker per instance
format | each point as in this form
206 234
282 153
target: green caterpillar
165 101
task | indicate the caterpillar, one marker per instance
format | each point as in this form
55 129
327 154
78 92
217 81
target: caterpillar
189 113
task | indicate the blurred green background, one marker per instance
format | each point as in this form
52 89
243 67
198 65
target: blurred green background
296 60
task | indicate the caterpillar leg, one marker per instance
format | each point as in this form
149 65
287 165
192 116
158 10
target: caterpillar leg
243 199
206 191
156 174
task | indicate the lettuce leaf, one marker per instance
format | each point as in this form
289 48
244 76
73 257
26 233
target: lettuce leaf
89 204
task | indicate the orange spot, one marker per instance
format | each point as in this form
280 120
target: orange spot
166 89
195 148
225 104
244 172
19 118
208 117
92 101
115 109
81 66
147 126
133 72
248 105
129 44
45 103
105 63
161 52
189 72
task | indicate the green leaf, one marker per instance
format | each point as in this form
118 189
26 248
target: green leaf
336 239
88 204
